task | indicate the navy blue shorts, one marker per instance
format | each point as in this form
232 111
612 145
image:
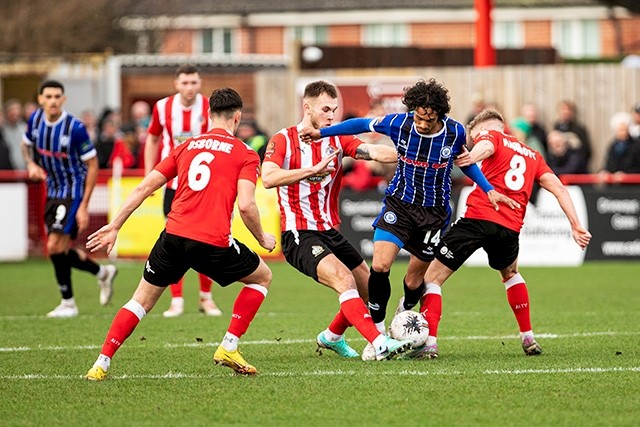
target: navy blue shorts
415 228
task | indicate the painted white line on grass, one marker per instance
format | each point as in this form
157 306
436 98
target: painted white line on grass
156 315
49 348
307 341
334 373
562 371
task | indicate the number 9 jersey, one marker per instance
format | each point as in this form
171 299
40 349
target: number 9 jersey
208 168
512 169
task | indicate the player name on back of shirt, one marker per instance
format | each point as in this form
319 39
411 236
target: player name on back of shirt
210 144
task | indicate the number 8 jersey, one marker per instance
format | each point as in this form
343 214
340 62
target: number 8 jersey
512 169
208 168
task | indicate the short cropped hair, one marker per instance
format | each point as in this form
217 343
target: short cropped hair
429 94
224 102
317 88
485 116
187 69
50 83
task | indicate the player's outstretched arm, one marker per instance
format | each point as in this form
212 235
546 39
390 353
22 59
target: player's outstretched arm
348 127
378 152
106 236
251 215
274 176
309 134
496 197
82 215
35 172
480 151
550 182
151 146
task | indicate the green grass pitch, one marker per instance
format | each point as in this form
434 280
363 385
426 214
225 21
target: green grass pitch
587 320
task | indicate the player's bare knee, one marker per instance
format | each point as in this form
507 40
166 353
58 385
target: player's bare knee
343 281
265 278
55 248
381 266
508 273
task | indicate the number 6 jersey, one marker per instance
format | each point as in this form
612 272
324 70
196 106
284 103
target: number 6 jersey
512 169
208 168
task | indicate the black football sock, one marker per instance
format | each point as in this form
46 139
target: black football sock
379 294
63 274
76 261
412 296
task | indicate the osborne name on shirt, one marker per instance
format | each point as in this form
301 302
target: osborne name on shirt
210 144
519 148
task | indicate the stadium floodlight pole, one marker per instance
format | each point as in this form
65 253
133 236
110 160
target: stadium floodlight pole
484 54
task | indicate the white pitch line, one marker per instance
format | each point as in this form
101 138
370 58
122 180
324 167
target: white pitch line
337 373
562 371
110 315
306 341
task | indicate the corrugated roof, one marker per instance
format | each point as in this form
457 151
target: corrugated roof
155 8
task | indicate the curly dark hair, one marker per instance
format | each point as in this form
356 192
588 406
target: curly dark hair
429 94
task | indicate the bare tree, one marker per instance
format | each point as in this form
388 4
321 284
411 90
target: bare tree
63 27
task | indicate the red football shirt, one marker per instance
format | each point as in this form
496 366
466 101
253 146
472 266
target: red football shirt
311 204
208 168
173 123
512 170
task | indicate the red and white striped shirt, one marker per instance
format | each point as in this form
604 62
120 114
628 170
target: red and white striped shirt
175 123
311 204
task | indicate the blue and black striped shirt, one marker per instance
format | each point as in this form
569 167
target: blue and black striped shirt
423 175
61 148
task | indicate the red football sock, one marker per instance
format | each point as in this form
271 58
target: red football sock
125 321
176 289
356 313
339 324
245 308
205 283
518 297
431 307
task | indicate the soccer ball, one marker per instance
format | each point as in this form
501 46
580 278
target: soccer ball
409 325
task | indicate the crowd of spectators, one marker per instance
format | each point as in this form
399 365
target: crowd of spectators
567 146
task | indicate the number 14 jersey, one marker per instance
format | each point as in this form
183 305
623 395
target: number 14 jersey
512 169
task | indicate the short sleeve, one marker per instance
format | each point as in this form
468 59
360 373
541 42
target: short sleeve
543 167
155 128
486 135
169 166
461 139
350 145
251 167
276 149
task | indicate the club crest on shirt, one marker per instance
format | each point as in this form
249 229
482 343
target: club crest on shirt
390 217
445 152
65 140
316 250
35 133
271 148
